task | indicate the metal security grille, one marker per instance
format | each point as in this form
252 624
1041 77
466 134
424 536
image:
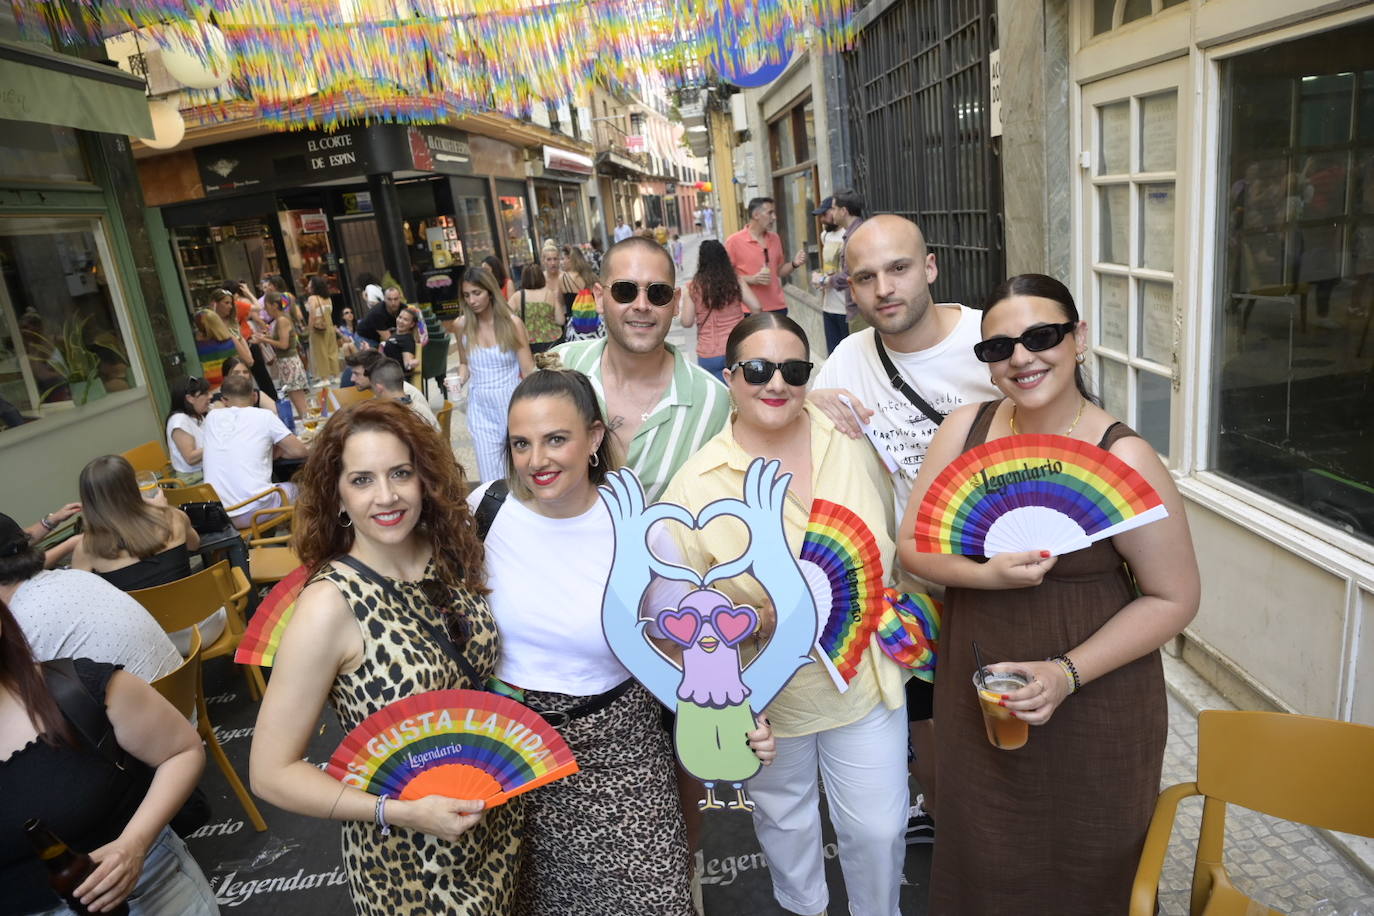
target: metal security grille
917 86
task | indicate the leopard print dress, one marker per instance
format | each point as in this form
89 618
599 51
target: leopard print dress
410 872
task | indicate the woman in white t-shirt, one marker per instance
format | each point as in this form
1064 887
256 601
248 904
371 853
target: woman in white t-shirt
554 657
190 401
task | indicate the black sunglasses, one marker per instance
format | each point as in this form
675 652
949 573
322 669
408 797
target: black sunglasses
627 291
760 371
1040 337
439 596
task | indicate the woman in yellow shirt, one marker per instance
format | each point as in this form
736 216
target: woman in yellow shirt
855 739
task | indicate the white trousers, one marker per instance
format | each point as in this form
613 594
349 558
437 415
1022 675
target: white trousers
864 766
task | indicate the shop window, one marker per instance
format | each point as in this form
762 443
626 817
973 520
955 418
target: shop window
515 223
1294 358
558 213
41 152
1129 296
792 148
1108 14
62 342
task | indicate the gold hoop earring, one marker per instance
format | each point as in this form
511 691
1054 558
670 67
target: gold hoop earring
1080 359
595 460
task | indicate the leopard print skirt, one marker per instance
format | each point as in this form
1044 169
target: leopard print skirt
608 840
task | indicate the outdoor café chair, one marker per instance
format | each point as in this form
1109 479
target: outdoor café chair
152 456
185 602
183 689
1300 768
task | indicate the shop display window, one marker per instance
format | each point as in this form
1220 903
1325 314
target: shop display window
41 152
792 140
515 223
1293 414
63 342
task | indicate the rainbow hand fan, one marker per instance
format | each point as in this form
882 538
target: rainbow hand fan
909 630
457 743
1032 492
849 597
263 634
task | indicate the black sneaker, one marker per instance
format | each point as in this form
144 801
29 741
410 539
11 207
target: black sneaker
920 829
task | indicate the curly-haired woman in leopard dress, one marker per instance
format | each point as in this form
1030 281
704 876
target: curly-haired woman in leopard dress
397 568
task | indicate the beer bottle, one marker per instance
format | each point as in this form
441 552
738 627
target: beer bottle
66 867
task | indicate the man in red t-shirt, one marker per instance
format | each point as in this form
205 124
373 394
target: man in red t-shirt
756 253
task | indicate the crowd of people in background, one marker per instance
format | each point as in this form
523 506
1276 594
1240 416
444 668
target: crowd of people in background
566 375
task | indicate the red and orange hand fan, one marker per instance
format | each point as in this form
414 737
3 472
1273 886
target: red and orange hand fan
262 636
458 743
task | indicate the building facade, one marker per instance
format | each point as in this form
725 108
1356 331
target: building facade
1201 174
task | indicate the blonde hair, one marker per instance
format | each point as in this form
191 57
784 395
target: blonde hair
503 323
117 519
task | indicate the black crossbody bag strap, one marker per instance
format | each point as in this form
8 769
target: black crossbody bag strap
439 636
84 711
899 383
490 505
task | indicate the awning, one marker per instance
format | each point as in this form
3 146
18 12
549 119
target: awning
565 160
51 88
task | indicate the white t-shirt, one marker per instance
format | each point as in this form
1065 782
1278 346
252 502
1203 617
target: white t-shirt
372 294
832 300
547 577
71 613
191 425
238 453
946 375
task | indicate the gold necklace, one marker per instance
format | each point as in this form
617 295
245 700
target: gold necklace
1068 432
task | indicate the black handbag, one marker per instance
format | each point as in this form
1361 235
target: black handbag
207 517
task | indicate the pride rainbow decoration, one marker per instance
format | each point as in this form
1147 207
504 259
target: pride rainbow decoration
1032 492
583 318
844 550
909 630
458 743
262 636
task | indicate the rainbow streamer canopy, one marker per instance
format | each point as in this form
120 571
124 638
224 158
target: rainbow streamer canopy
843 549
466 744
1033 492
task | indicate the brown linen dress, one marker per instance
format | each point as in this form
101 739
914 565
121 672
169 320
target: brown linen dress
1055 827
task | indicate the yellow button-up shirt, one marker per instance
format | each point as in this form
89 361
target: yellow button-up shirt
843 471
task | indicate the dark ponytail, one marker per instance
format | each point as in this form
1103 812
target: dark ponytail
1043 287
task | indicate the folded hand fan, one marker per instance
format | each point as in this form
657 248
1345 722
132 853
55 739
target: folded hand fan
909 629
458 743
1032 492
850 586
263 634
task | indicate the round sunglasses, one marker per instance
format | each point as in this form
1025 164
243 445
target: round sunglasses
760 371
627 291
1040 337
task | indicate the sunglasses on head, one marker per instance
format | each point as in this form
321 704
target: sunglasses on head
1040 337
439 596
760 371
627 291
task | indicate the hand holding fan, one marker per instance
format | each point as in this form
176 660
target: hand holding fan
457 743
1032 492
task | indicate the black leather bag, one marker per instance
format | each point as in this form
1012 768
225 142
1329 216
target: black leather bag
207 517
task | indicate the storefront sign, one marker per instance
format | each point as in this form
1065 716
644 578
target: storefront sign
438 149
634 143
301 158
567 161
357 202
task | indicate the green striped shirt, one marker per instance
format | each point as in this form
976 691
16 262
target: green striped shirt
693 409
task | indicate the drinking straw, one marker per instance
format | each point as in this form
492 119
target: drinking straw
978 657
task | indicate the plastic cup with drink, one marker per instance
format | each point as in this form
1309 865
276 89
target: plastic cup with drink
147 484
1004 730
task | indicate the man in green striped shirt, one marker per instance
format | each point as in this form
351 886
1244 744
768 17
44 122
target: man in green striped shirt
660 406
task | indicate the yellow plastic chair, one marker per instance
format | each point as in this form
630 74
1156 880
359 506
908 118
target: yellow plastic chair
1300 768
445 418
182 688
185 602
152 456
191 493
262 517
345 397
269 559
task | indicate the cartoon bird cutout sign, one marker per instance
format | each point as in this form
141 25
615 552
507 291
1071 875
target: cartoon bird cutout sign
714 695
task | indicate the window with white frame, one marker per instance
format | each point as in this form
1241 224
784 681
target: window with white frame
1293 354
1111 14
62 341
1130 199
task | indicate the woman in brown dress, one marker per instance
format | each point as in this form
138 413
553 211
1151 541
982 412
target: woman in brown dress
1057 825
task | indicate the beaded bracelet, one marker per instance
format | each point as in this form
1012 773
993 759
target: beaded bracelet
1070 672
379 815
